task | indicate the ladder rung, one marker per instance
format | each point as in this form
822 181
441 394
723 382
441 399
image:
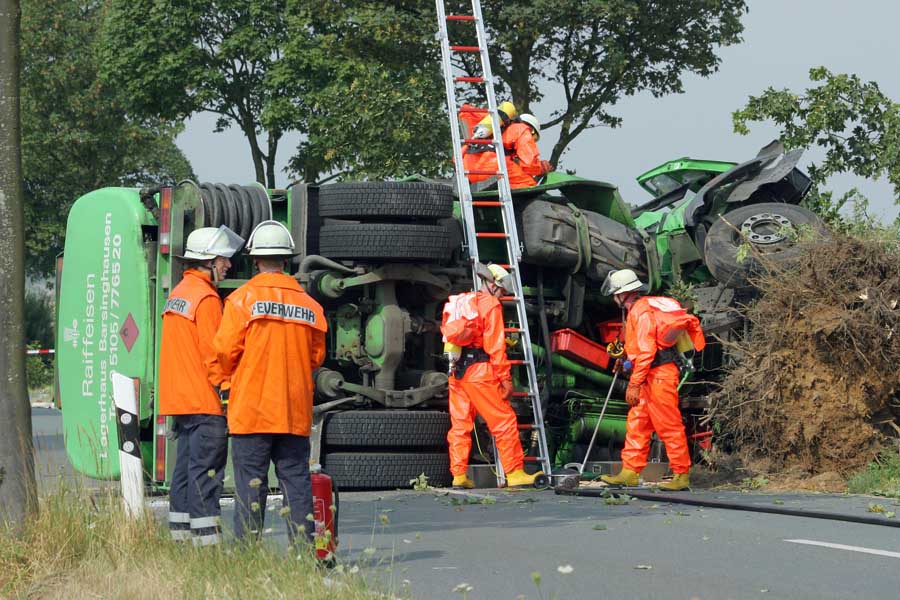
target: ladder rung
512 330
519 361
479 141
487 203
465 48
534 458
460 17
491 234
526 426
463 79
509 298
483 172
471 110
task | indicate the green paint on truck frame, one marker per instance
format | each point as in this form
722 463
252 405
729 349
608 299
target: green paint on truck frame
104 310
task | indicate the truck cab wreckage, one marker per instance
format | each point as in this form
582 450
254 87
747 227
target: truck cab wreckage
382 258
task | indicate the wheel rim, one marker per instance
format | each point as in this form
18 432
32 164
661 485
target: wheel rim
766 228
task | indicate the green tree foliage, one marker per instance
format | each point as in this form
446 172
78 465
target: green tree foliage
382 62
856 125
374 98
360 79
599 51
76 133
176 58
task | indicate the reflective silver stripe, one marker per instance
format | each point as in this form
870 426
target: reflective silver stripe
179 517
202 522
207 540
181 535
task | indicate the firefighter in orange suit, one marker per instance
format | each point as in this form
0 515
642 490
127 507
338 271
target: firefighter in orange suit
523 159
271 339
519 135
189 382
653 328
482 382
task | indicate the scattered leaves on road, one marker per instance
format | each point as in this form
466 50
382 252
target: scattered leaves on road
565 569
643 567
599 527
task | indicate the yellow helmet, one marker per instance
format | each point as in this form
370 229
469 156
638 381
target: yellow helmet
485 128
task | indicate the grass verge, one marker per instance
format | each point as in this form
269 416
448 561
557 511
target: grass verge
880 478
78 546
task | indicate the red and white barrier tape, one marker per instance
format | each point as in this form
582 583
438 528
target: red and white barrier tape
41 351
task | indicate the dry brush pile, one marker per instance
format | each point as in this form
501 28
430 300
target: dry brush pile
817 386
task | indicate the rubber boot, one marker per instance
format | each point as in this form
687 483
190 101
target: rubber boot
681 481
520 478
462 481
626 477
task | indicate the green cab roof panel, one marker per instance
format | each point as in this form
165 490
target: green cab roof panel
667 176
105 322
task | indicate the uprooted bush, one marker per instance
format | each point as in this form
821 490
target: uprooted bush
816 386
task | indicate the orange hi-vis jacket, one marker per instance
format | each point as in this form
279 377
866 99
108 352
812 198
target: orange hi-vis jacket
523 160
654 323
271 338
188 367
492 339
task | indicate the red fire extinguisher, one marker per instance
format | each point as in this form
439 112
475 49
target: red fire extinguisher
325 496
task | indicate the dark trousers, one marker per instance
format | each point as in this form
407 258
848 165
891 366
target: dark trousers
251 455
197 480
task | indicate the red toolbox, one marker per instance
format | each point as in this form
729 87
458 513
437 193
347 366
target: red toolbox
576 347
610 330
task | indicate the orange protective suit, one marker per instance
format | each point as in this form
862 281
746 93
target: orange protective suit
523 160
479 392
188 367
271 338
651 325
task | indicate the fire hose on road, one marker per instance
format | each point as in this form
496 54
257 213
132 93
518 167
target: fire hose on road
726 505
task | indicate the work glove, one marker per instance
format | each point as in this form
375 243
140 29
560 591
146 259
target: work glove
506 389
622 366
546 167
633 395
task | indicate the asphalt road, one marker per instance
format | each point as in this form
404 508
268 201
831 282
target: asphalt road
428 544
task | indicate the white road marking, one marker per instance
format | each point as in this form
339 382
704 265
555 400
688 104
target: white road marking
861 549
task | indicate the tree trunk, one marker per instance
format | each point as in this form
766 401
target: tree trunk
249 129
17 485
274 137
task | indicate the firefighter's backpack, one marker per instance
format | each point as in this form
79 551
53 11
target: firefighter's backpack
461 324
676 326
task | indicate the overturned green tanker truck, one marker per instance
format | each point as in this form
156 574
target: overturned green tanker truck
382 258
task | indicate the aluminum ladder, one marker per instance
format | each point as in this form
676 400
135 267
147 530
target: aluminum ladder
504 204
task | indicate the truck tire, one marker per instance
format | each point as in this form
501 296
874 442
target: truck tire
397 200
386 470
400 241
759 225
388 428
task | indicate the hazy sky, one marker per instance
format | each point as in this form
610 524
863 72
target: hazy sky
783 39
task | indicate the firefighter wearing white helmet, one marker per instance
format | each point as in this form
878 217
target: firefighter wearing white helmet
191 383
481 380
535 125
271 238
652 329
271 339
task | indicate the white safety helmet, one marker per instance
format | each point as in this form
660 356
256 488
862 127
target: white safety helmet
496 274
533 122
619 282
207 243
271 238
